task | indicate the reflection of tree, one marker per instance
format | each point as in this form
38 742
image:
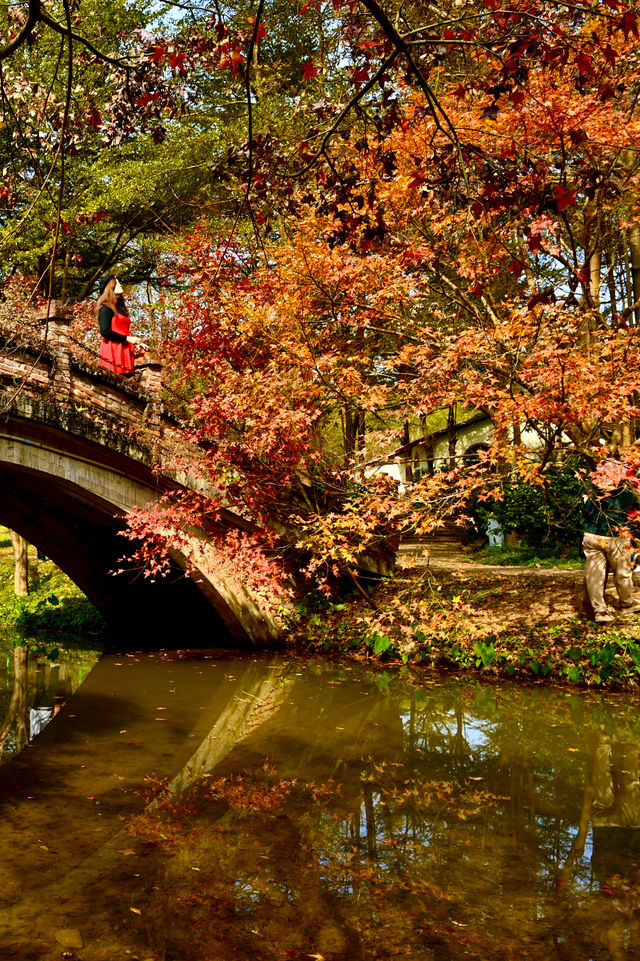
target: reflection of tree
17 714
321 816
38 689
430 823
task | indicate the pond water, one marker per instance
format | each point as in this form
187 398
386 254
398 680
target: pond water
33 689
189 807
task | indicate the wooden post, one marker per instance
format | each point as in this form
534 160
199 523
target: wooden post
151 381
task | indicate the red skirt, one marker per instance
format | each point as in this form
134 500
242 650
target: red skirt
116 357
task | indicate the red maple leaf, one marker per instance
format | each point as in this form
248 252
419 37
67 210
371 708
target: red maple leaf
360 76
309 71
610 55
177 62
564 198
585 65
236 59
94 118
629 24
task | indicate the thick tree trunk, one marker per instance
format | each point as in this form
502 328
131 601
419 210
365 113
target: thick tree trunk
353 433
21 564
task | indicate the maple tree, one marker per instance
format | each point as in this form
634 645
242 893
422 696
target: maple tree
487 263
422 208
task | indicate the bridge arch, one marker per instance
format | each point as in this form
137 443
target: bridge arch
68 480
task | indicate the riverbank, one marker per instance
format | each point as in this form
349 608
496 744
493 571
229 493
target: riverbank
445 611
449 612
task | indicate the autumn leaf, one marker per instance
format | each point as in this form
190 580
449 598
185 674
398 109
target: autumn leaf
177 63
564 198
629 24
309 71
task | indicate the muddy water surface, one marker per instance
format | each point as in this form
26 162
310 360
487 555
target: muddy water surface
181 807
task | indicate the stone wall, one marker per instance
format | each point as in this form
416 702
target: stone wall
39 360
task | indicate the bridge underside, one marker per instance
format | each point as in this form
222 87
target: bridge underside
80 533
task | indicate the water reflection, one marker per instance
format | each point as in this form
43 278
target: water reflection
308 811
33 688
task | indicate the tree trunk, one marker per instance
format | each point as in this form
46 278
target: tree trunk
406 452
21 564
452 435
634 250
353 433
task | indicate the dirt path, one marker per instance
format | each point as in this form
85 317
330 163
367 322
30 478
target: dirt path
509 598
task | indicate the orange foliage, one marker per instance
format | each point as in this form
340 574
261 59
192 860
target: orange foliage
423 271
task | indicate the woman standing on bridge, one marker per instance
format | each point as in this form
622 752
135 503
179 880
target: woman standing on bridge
117 347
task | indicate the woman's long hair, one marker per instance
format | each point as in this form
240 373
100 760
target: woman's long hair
108 297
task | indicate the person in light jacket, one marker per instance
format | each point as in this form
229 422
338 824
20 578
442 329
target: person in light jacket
606 511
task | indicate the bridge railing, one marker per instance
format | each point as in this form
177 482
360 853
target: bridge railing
39 352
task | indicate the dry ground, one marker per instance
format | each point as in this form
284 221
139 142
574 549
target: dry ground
511 599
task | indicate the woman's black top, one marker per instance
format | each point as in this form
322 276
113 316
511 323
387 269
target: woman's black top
105 317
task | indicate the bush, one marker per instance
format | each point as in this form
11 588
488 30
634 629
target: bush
51 613
548 514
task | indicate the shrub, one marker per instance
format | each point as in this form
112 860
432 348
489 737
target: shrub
538 514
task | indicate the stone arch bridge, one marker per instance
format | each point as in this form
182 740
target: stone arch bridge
79 448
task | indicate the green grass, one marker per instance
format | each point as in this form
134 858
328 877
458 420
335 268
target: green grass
528 557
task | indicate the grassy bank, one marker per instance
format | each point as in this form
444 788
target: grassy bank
55 613
522 624
534 558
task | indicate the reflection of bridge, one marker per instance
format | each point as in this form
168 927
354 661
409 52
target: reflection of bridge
79 448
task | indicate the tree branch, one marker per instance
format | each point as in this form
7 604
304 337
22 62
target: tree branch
33 16
66 31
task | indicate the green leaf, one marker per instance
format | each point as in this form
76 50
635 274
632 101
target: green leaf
381 644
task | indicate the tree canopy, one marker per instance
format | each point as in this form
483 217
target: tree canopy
354 215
